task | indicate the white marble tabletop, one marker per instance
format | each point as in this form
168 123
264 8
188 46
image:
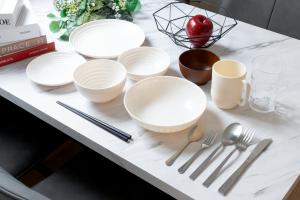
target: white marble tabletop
270 177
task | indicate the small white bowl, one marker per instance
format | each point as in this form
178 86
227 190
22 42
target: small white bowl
100 80
144 62
165 104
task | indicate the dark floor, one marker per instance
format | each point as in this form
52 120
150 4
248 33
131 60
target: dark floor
65 153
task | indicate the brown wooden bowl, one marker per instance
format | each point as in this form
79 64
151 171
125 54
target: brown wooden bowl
196 65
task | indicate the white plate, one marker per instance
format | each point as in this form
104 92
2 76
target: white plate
54 69
106 38
144 62
165 104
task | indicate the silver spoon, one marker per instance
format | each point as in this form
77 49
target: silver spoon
194 135
230 136
241 145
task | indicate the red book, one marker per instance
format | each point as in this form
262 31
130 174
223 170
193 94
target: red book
21 55
22 45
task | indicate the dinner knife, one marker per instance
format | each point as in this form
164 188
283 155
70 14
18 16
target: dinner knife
231 181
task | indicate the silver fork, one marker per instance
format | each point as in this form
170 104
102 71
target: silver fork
207 141
241 145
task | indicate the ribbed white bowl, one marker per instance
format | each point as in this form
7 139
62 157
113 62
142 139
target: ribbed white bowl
144 62
100 80
165 104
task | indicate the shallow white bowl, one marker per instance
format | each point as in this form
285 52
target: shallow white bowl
106 38
144 62
100 80
165 104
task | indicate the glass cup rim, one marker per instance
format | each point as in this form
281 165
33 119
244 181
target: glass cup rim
260 60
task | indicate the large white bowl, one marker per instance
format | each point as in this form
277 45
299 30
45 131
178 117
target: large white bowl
100 80
165 104
144 62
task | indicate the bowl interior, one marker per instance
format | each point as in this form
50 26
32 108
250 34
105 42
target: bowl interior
145 61
197 59
165 101
99 74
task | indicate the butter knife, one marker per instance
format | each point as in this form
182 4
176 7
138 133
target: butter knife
231 181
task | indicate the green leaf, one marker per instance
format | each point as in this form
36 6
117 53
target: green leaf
138 7
81 7
54 26
63 24
70 24
97 5
65 36
133 5
63 13
85 17
95 16
127 17
51 15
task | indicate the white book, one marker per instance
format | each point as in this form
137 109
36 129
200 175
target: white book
26 27
9 12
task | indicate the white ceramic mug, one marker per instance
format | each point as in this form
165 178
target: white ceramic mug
229 87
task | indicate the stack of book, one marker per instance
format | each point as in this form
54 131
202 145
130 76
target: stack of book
20 35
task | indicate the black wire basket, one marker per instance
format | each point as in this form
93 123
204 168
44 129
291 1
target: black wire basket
173 18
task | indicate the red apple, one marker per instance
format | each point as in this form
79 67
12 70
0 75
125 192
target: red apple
201 27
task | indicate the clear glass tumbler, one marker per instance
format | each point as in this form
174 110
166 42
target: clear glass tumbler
264 83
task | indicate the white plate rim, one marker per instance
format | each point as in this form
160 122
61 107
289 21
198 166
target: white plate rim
77 29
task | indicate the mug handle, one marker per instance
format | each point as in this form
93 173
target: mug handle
245 92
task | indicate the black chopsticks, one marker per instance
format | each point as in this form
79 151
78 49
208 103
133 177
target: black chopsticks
113 130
